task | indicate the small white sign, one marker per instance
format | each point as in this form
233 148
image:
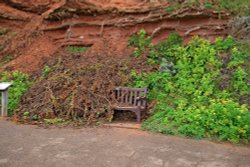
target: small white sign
4 85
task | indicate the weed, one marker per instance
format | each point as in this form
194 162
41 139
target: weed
26 113
76 49
46 71
35 117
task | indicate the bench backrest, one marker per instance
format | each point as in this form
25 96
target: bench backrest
131 95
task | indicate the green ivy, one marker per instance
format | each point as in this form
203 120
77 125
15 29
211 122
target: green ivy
198 89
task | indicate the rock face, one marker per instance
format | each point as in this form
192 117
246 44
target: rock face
43 26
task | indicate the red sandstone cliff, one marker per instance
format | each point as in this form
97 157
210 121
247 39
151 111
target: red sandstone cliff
39 27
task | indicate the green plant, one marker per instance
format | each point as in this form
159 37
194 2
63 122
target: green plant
177 5
239 81
190 91
208 5
46 71
21 83
237 7
76 49
173 8
35 117
166 48
141 43
26 113
143 46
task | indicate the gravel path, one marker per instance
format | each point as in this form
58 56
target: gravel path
31 146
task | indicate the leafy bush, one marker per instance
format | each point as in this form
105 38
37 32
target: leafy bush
165 48
220 119
21 83
199 91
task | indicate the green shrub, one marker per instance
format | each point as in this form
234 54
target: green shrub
165 48
220 119
21 83
198 89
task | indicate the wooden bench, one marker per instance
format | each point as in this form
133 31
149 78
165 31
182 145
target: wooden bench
131 99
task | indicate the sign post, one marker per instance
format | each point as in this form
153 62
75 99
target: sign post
4 90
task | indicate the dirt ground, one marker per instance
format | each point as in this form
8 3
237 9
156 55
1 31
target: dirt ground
31 146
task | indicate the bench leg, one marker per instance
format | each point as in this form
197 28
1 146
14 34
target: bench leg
138 115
